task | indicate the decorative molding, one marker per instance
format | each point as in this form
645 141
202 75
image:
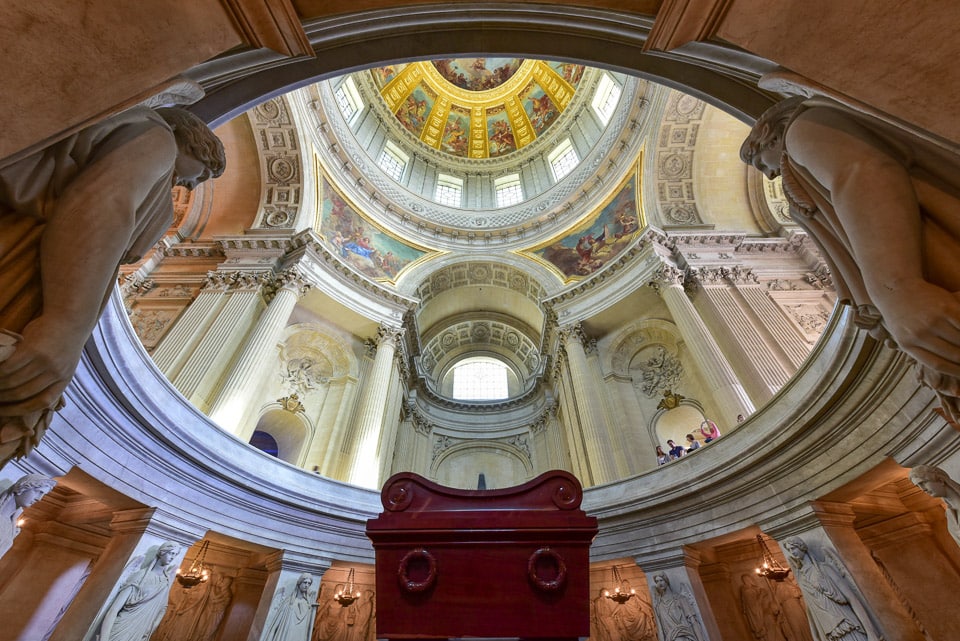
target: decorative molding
681 21
273 24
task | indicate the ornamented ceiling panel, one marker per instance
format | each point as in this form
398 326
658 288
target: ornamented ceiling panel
478 107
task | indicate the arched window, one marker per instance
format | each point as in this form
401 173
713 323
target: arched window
265 443
480 379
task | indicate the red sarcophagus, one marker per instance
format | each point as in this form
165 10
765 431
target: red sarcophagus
482 563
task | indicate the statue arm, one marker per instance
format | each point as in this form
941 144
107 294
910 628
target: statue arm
90 230
876 205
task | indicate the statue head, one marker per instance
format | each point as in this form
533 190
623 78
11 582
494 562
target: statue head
661 583
31 488
201 155
796 547
304 581
764 146
166 553
932 480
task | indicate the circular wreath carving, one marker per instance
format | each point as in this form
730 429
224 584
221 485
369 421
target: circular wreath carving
414 565
399 496
544 559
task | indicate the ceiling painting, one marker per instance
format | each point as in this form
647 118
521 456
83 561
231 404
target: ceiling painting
357 242
415 110
478 107
477 74
600 240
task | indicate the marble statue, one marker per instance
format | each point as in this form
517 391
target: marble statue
292 617
136 610
836 611
26 491
937 483
69 215
676 613
883 204
760 609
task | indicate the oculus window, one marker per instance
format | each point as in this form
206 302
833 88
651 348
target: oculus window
563 159
449 190
392 161
480 379
508 190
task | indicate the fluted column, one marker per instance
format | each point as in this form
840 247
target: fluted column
211 356
176 346
720 380
371 411
588 406
756 357
235 397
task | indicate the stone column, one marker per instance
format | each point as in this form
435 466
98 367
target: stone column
588 406
772 317
334 420
371 411
238 393
136 535
283 575
721 382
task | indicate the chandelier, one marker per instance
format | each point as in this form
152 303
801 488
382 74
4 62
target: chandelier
770 568
618 595
347 594
198 572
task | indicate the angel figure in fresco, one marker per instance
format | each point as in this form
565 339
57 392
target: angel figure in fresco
628 224
502 138
586 247
542 112
454 137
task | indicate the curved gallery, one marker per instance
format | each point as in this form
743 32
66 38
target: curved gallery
828 434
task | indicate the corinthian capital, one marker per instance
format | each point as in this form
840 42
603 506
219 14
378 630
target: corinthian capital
666 276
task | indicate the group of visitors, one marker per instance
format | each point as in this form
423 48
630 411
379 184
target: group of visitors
709 431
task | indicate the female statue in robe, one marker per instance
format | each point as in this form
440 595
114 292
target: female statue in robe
138 607
26 491
292 619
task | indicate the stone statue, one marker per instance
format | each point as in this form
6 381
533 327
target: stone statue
836 612
883 204
602 625
634 619
935 482
26 491
793 619
138 607
759 608
676 612
218 600
69 215
292 618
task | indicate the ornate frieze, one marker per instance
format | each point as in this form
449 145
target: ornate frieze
662 371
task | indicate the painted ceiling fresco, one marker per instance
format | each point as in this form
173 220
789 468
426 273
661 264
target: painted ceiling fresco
478 107
600 240
357 242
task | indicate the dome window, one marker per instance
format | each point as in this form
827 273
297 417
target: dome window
449 190
392 161
348 98
605 99
509 190
563 159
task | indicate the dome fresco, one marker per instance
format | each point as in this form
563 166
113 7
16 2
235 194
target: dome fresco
478 107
